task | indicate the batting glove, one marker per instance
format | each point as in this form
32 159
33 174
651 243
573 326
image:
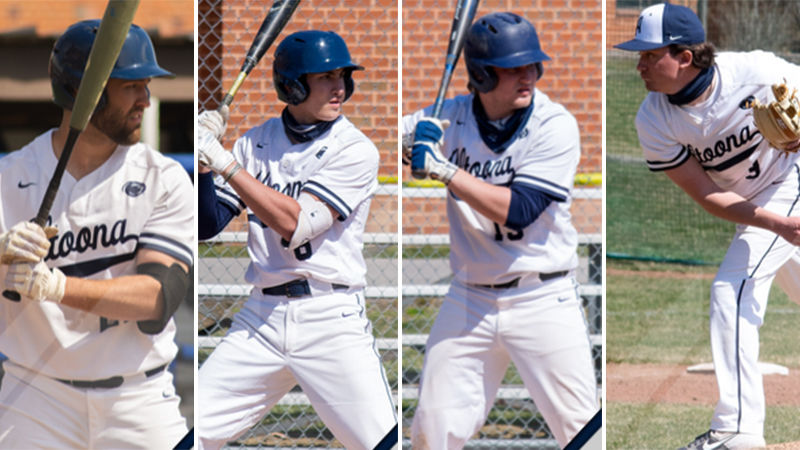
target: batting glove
25 241
214 156
215 121
36 281
426 155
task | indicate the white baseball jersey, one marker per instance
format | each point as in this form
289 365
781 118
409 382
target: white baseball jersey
340 167
137 199
545 156
719 132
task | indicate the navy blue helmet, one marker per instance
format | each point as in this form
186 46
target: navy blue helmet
307 52
137 60
503 40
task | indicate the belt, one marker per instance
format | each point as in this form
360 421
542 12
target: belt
108 383
515 282
297 288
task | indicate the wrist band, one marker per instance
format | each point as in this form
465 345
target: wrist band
236 167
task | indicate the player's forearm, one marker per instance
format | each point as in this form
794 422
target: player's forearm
733 207
490 200
278 211
134 297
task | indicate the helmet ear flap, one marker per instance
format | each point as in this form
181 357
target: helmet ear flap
349 84
290 90
481 77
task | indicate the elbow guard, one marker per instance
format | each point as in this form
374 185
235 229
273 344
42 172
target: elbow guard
176 284
314 218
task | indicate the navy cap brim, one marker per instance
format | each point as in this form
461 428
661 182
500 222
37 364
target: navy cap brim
636 45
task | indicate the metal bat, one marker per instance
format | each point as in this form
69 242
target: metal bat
462 19
107 45
277 18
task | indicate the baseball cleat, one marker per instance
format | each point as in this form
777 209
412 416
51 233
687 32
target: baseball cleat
721 440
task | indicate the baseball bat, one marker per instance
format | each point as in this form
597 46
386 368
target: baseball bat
276 19
107 45
462 19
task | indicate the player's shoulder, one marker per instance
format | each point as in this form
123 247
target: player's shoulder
751 67
31 154
143 156
263 130
545 110
349 139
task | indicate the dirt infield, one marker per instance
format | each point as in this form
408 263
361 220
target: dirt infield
654 383
657 383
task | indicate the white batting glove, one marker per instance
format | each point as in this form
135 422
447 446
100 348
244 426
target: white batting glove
215 121
36 281
214 156
426 155
25 241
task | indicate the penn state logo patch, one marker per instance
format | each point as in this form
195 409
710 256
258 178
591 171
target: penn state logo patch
133 188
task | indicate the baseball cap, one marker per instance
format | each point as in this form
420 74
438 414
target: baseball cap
664 24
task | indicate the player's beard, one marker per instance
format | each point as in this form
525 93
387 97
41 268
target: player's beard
114 125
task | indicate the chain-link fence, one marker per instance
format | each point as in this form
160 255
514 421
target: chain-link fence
225 30
570 33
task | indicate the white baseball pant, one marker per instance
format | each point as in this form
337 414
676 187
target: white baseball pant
739 295
39 412
541 328
324 344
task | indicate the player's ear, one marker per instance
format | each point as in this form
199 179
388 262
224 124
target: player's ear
685 58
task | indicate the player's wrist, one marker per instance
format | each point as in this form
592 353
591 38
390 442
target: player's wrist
232 169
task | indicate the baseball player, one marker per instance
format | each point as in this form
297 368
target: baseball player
90 339
306 180
508 155
695 126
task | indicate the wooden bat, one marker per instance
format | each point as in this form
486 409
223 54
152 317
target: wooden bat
462 19
277 18
107 45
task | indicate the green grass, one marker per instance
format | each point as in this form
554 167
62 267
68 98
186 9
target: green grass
624 93
665 320
640 426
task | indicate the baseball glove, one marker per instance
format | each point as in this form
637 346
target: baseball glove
779 120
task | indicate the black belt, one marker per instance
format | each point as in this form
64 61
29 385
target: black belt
108 383
515 282
297 288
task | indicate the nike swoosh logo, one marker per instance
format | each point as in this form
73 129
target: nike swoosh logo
260 145
22 185
348 315
672 38
718 444
458 122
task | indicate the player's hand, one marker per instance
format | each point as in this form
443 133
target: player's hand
36 281
25 241
211 153
792 231
215 121
407 144
426 155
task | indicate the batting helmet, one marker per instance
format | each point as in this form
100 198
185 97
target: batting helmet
137 60
307 52
503 40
